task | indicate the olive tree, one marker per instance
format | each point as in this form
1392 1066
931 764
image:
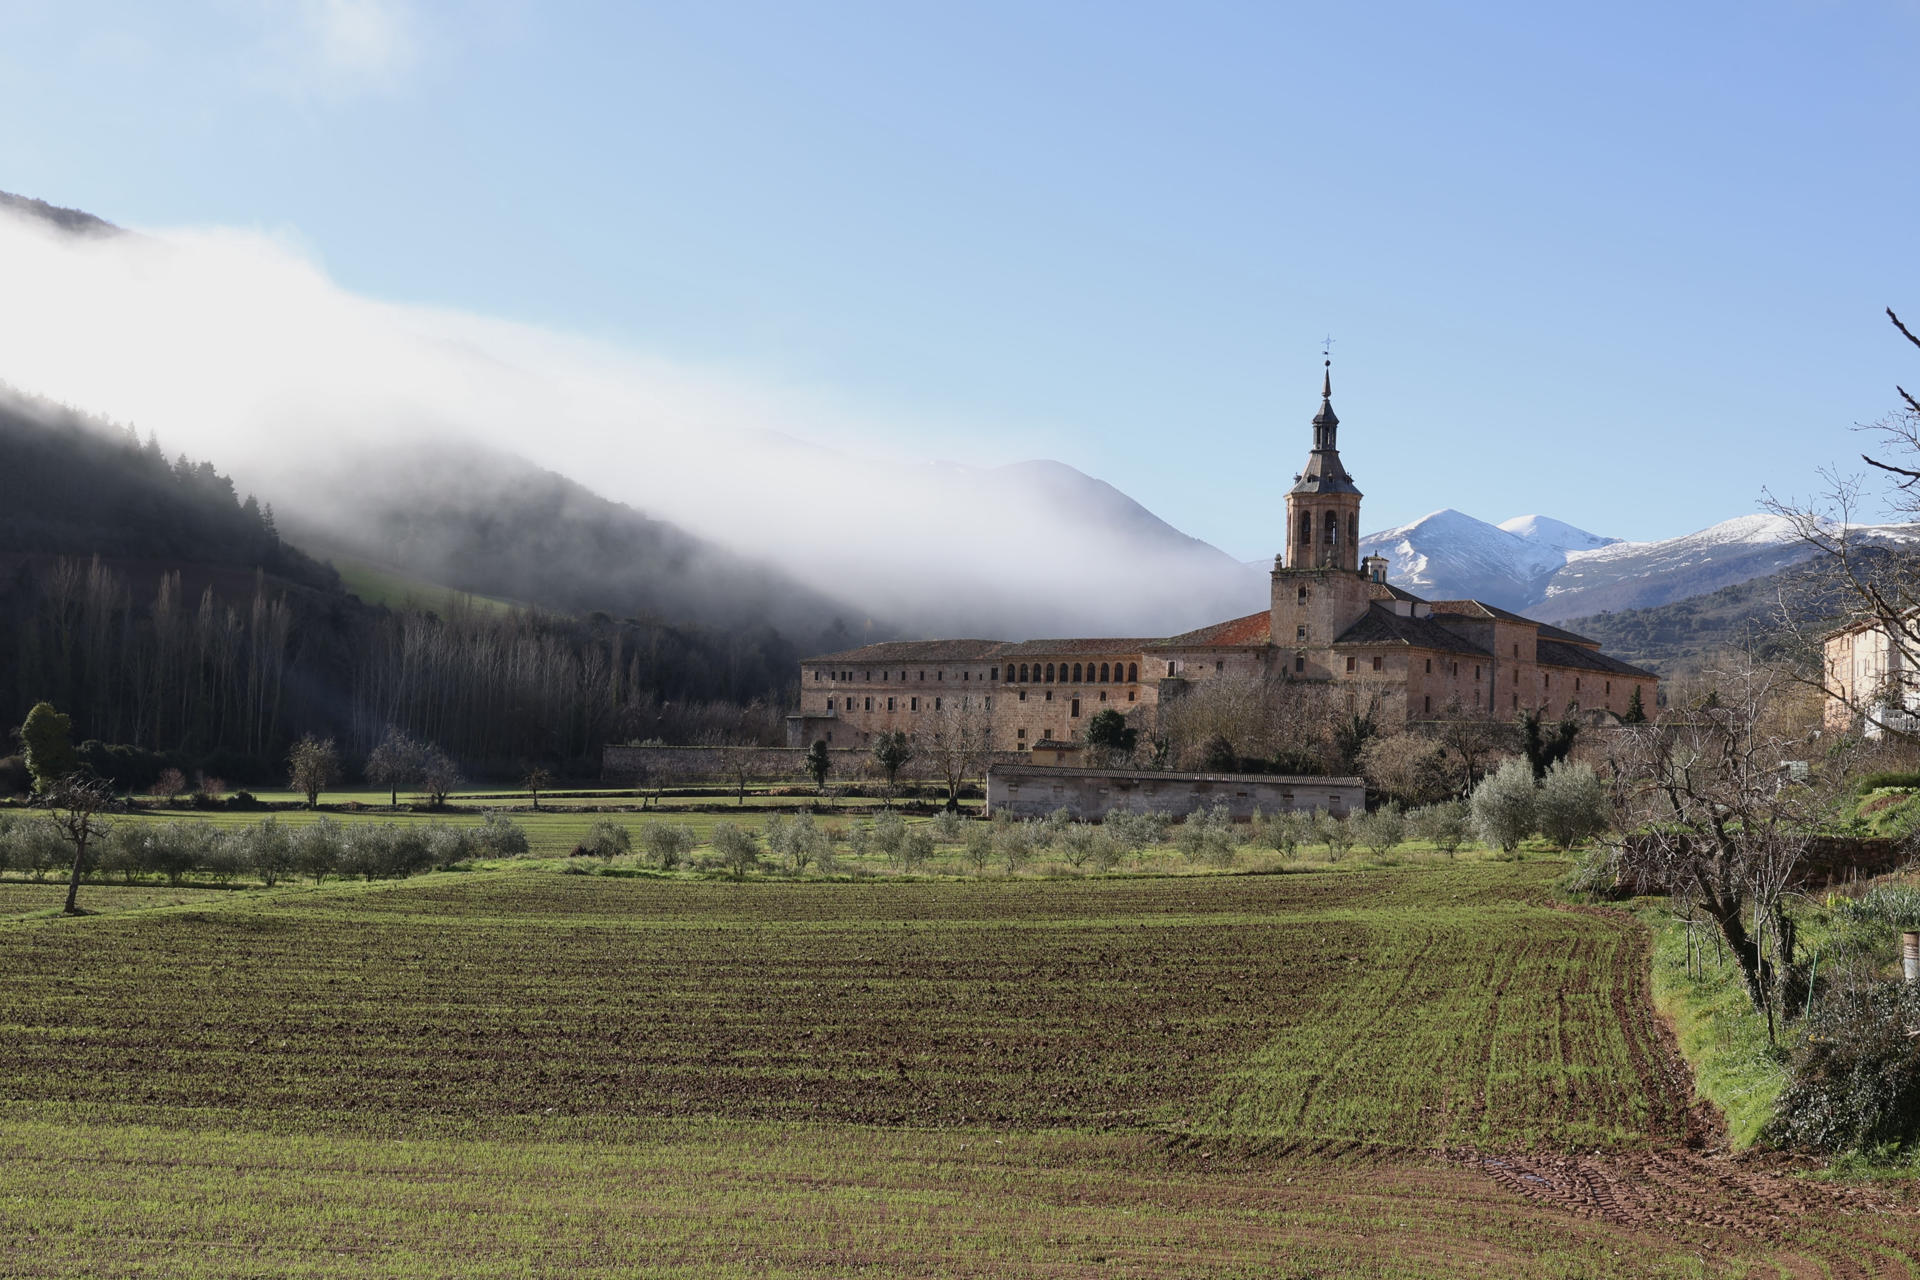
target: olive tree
1503 805
1572 805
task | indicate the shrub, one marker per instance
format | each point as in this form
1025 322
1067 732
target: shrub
668 843
606 839
889 830
739 851
448 845
1048 830
1134 833
798 841
1446 826
948 826
225 857
1078 843
316 848
33 845
269 851
1207 835
1285 832
1334 832
1503 806
1013 844
916 848
499 837
1380 830
1572 806
978 850
1855 1079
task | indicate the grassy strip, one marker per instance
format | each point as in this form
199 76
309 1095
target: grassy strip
1721 1035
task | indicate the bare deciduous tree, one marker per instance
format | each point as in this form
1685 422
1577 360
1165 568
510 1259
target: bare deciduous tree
1719 822
395 761
74 806
312 766
961 743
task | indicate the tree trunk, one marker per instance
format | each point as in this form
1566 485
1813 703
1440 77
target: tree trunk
73 880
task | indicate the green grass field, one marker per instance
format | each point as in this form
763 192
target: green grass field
1416 1071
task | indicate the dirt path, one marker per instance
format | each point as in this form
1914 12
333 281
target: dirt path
1704 1194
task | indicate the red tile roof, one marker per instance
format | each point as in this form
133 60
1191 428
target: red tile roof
1253 631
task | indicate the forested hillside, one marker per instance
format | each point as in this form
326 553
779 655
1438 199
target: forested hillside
165 612
497 525
1687 636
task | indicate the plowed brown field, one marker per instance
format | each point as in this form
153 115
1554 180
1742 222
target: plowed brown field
1419 1072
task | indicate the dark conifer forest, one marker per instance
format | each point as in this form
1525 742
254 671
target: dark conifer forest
164 611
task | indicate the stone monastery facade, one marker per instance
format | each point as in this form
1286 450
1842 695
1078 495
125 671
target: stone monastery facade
1331 618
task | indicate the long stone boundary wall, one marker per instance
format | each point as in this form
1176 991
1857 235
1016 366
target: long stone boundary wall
656 766
1033 791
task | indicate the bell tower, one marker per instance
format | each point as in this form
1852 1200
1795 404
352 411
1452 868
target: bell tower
1323 507
1319 588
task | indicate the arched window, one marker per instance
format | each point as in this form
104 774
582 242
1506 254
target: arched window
1023 673
1076 673
1306 528
1333 528
1049 673
1303 595
1103 673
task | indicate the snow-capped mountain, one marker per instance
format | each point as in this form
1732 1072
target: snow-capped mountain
1551 570
1547 532
1449 555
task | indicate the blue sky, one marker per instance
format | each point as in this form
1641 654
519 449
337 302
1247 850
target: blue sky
1620 264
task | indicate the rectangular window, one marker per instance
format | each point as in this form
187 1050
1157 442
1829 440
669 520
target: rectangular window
1023 695
1429 666
1219 666
889 704
1350 662
829 735
1020 733
1132 696
1300 633
869 704
1049 695
1376 662
989 701
1427 703
1076 707
936 704
1609 687
816 677
913 704
995 676
1103 696
1476 671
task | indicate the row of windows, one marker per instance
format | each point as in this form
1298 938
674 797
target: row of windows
913 704
1078 673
